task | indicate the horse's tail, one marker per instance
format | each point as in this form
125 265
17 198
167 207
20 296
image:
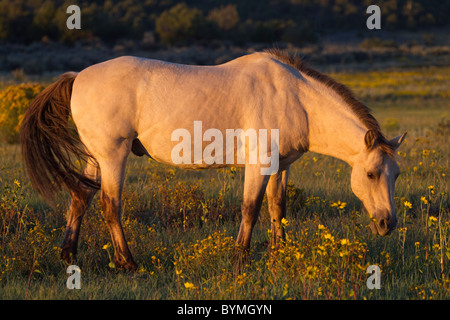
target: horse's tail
49 148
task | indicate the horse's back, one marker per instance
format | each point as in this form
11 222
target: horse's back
130 97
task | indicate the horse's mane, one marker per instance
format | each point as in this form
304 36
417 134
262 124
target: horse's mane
360 110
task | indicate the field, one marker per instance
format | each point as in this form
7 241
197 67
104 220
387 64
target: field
181 225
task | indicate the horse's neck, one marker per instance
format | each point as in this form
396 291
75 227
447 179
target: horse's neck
334 129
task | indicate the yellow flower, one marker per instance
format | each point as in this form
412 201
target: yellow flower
178 272
339 204
17 183
417 244
345 241
407 204
285 222
106 246
432 220
189 285
424 200
328 236
431 188
321 227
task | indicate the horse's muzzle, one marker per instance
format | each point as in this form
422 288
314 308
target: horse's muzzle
383 226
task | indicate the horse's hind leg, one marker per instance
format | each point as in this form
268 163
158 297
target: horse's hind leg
276 198
78 206
113 175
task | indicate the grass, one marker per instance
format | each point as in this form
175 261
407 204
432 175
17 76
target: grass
181 225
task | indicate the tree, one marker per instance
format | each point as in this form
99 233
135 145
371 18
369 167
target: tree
225 17
43 19
179 24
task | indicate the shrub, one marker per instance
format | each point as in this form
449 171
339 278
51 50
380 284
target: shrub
14 100
225 17
179 24
370 43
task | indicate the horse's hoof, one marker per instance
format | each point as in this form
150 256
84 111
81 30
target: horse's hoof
129 265
68 254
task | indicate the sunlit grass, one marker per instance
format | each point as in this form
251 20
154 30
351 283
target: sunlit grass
181 225
424 82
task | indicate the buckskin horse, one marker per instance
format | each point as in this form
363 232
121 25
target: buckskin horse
133 105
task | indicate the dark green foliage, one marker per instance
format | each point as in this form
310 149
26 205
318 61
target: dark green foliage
179 24
175 22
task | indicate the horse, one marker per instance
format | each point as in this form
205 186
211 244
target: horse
136 105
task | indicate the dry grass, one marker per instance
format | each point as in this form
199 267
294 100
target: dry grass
181 225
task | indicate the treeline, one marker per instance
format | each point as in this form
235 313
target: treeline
174 22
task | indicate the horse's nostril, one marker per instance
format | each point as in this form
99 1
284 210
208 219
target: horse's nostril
382 223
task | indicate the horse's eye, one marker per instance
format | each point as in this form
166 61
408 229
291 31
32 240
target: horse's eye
370 175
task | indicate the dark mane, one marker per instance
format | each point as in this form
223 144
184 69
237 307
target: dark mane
360 110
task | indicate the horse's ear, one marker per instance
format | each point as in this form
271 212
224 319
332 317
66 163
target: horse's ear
396 142
370 139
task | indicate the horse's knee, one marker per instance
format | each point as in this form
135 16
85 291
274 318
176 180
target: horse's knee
249 213
277 203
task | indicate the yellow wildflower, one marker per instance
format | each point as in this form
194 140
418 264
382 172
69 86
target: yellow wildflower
328 236
432 220
339 204
189 285
407 204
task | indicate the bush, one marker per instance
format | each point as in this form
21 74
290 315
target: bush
370 43
225 17
14 100
179 24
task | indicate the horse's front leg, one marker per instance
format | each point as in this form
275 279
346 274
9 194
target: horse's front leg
254 188
276 198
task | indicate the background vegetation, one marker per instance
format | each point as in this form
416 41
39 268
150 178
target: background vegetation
296 21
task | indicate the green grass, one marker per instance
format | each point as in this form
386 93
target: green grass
181 225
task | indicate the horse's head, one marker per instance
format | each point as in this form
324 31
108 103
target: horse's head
373 180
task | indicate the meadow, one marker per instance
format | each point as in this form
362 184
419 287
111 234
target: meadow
181 225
